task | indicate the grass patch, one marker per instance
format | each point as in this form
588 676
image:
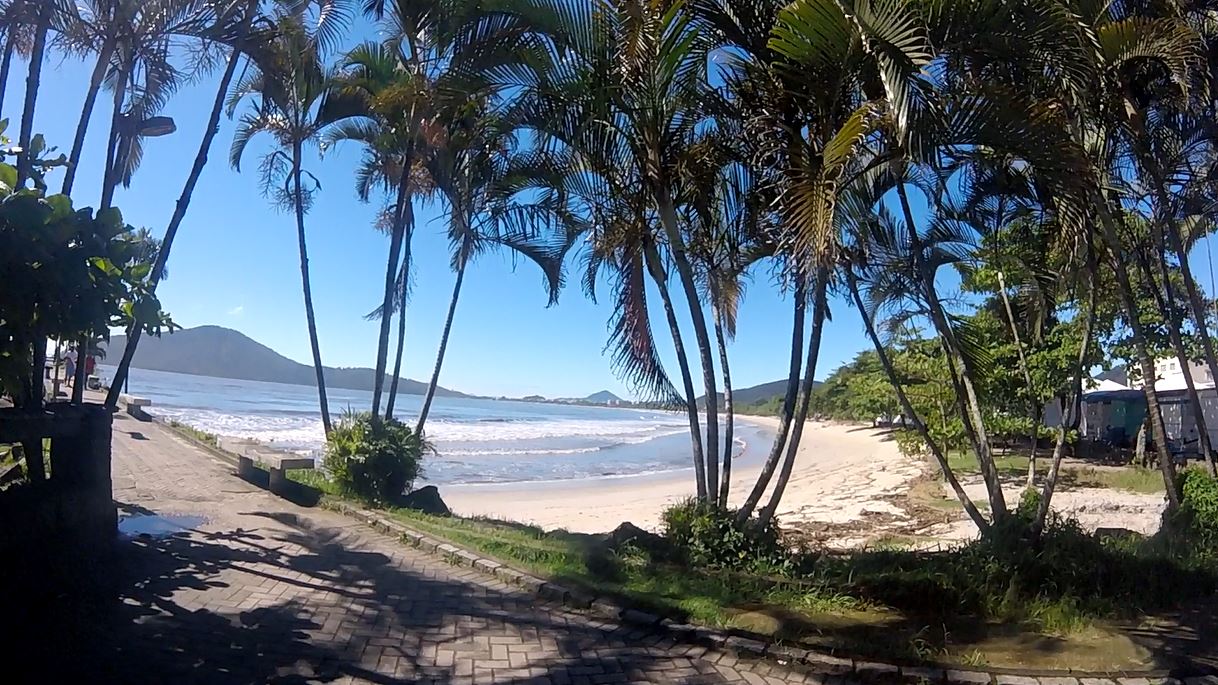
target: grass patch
1132 478
314 478
192 432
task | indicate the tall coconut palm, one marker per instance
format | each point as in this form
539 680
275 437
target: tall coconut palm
16 31
631 74
468 167
389 96
243 16
285 92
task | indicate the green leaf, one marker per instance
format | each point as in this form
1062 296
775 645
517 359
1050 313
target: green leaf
105 266
140 271
111 221
8 176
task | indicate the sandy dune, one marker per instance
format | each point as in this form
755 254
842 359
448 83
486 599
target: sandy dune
841 473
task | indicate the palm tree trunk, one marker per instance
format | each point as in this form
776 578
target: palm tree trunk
179 211
788 405
907 407
35 465
405 279
308 290
1129 303
391 272
656 270
33 82
820 310
729 414
86 113
1198 311
110 177
961 375
685 273
55 373
1171 227
1165 299
78 381
6 64
448 327
1033 408
1073 413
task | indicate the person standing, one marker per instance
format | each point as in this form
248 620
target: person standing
70 365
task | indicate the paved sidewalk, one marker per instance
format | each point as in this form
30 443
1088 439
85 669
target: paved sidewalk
259 590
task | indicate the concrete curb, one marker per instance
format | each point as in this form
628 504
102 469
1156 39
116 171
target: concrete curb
754 646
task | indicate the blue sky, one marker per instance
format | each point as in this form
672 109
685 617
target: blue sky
235 264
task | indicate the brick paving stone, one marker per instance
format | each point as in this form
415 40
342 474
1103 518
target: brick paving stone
1008 679
970 677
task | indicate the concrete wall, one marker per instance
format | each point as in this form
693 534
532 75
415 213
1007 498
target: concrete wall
73 508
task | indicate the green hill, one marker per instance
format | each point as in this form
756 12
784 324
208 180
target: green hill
225 353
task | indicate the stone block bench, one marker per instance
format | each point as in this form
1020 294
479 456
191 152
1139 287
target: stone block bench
136 406
277 463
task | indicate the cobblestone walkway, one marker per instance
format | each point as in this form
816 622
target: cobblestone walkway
259 590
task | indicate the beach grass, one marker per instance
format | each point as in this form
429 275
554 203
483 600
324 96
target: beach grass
200 435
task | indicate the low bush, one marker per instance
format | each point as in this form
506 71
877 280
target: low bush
372 458
709 536
1199 503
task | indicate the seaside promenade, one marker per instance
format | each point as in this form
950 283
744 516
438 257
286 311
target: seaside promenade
254 589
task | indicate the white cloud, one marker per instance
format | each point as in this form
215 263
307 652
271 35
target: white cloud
237 311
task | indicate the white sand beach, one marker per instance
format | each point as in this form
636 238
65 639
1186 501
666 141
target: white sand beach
842 473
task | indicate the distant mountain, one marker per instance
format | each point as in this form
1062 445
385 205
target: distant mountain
225 353
756 393
603 397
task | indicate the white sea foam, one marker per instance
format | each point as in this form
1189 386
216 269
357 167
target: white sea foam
480 431
516 453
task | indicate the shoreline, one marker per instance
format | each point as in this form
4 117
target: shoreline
842 473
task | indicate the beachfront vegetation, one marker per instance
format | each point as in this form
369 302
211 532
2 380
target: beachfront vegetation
68 275
372 458
881 152
1081 592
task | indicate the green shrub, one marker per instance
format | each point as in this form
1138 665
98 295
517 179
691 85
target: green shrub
1199 503
372 458
709 536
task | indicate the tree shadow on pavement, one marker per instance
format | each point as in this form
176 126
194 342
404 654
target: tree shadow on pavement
294 602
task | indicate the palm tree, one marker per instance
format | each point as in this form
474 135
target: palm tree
42 15
16 35
468 167
613 106
816 55
286 90
243 16
389 97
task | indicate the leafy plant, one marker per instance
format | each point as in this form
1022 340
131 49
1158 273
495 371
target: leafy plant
373 458
709 536
67 274
1199 505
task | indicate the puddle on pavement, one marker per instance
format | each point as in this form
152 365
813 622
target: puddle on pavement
155 526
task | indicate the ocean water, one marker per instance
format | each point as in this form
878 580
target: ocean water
475 440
